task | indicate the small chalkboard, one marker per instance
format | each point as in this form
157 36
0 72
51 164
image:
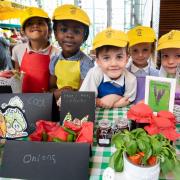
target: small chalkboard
78 104
45 160
35 106
5 89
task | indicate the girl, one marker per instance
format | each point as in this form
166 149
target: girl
34 56
71 29
169 51
141 48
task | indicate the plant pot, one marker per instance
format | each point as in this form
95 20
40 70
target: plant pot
135 172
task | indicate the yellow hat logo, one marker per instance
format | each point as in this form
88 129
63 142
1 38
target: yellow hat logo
139 32
73 10
109 34
29 12
171 35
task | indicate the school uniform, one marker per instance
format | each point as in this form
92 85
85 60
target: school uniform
141 74
70 71
102 85
35 65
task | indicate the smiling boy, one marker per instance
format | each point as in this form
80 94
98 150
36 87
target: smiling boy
113 84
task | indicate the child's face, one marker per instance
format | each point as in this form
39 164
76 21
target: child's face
70 35
36 28
112 62
140 53
169 59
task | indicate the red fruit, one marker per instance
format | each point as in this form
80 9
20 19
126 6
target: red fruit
152 160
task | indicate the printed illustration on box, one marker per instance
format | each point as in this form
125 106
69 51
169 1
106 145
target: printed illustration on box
159 95
13 123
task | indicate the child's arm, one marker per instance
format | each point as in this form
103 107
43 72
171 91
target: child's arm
124 101
16 66
107 101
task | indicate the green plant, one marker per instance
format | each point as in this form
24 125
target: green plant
143 149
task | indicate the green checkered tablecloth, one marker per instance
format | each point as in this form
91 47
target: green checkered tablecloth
100 155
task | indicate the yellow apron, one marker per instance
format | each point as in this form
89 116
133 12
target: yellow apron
68 74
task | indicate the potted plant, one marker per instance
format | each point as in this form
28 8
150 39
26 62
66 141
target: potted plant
138 155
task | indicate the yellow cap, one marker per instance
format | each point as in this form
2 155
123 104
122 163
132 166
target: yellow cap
71 12
110 37
169 40
32 12
141 34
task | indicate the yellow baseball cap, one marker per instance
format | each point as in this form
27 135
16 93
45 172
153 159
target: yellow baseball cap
141 34
32 12
71 12
110 37
169 40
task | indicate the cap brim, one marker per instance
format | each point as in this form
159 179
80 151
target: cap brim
22 23
110 43
60 18
140 41
169 45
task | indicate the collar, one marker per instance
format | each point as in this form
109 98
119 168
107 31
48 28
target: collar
75 57
119 81
163 73
135 69
30 50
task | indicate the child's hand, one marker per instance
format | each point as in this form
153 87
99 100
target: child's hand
124 101
109 100
57 92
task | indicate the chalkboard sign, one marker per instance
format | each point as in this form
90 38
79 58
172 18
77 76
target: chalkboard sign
35 106
5 89
43 160
78 105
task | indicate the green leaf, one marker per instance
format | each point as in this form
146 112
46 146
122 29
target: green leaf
119 164
116 161
57 140
166 166
70 138
119 143
147 156
131 147
44 136
156 146
141 145
69 131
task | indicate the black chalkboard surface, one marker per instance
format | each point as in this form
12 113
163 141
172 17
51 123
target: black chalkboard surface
36 106
78 104
5 89
45 161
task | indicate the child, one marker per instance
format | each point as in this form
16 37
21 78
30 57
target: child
141 48
33 57
113 85
71 29
169 50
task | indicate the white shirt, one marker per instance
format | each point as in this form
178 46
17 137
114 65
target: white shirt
19 50
95 76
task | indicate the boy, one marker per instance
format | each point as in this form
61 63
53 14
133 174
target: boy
34 56
71 29
113 84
